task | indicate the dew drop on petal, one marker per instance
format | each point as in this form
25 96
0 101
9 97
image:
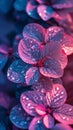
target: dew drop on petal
19 117
45 12
64 114
37 124
57 96
32 76
31 9
16 71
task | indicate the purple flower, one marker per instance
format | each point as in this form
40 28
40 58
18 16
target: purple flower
48 9
45 108
40 47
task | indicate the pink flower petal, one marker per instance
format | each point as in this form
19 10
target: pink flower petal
54 33
48 121
57 96
61 4
64 114
41 110
19 117
57 54
29 50
30 100
45 12
34 31
51 68
61 127
67 44
43 85
37 124
31 9
32 76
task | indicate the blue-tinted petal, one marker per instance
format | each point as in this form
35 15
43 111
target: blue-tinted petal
20 5
19 117
29 50
51 68
54 33
31 9
37 124
45 12
34 31
32 76
16 71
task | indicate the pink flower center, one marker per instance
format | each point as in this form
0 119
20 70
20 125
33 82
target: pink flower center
41 110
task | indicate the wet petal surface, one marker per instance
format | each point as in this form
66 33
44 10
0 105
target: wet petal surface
57 96
34 31
64 114
19 117
29 50
51 68
16 71
32 76
31 9
30 100
37 124
45 12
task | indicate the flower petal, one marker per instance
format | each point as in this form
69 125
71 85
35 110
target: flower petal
43 85
54 33
64 114
48 121
30 100
16 71
67 44
29 50
45 12
57 96
32 76
61 4
19 117
61 127
37 124
51 68
57 54
34 31
31 9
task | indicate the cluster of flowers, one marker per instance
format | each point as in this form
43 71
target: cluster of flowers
41 59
